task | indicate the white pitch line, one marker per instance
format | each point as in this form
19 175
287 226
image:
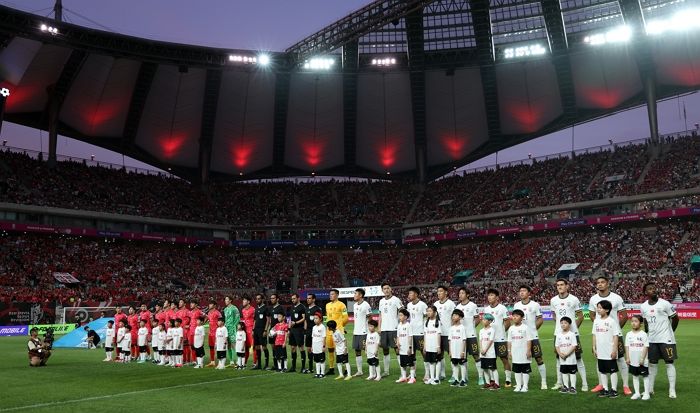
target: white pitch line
109 396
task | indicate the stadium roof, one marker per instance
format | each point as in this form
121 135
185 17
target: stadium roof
414 85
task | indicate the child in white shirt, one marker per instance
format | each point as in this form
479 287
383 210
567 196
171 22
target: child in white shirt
109 340
199 342
221 342
566 344
372 349
126 344
318 345
637 349
240 346
487 336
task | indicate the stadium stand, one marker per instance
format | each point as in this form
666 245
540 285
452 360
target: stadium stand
606 173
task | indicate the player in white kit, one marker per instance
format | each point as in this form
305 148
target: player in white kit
661 321
566 305
470 320
417 310
533 320
619 314
445 307
500 325
362 312
389 307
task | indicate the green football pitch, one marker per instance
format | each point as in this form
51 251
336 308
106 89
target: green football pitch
78 381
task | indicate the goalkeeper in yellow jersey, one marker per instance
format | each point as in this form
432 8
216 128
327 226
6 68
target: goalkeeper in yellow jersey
338 312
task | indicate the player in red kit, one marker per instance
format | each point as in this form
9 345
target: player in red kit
160 314
118 316
213 315
170 314
145 315
248 318
133 320
184 314
195 313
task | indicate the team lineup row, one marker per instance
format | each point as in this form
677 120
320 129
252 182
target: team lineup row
416 328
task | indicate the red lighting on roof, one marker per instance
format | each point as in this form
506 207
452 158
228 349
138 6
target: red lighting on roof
686 74
312 152
528 117
241 152
103 114
19 96
172 145
387 155
455 146
604 98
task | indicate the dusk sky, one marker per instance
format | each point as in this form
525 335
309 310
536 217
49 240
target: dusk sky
275 25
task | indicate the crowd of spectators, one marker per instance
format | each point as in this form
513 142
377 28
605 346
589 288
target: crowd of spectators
677 168
128 271
118 271
611 172
371 266
76 185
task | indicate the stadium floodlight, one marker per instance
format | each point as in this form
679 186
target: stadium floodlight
620 34
385 61
263 59
235 58
319 63
684 20
524 51
48 29
5 92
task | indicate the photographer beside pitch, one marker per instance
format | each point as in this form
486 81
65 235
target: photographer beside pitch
38 351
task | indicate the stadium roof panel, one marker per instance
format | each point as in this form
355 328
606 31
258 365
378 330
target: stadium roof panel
358 113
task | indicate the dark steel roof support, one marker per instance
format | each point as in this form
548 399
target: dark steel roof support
634 18
416 63
210 104
350 67
279 130
487 67
374 16
554 21
57 93
144 81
